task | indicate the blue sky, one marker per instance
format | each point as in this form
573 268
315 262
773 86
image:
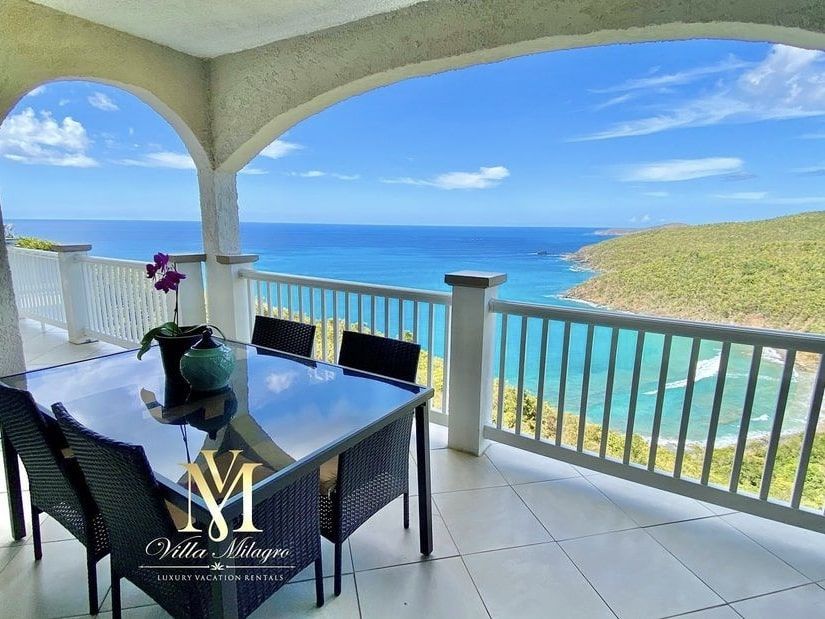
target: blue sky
627 135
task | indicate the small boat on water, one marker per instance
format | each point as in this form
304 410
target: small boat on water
8 233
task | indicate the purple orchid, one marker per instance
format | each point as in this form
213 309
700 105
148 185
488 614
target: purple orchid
165 276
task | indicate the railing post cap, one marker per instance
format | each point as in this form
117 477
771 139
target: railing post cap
66 248
475 279
182 258
236 258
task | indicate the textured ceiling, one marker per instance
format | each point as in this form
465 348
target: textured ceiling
209 28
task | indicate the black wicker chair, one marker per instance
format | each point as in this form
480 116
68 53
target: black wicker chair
288 336
56 484
121 480
367 477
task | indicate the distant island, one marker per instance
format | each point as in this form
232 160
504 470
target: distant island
768 273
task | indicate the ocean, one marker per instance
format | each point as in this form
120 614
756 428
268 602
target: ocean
538 272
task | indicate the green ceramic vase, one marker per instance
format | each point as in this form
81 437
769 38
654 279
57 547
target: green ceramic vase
208 365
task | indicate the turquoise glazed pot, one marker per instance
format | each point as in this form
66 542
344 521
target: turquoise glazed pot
208 365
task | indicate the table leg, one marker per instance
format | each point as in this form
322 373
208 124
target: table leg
15 492
422 460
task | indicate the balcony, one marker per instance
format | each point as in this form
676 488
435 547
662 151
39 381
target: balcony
572 522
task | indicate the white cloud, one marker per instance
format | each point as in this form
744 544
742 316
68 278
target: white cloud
321 174
816 170
614 101
674 170
788 83
657 194
36 92
253 171
642 220
280 148
813 136
485 178
63 102
743 195
679 78
162 159
38 139
102 102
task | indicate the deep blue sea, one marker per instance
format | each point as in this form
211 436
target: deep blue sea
532 258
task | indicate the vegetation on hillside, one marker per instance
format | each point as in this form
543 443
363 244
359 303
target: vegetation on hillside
764 273
31 242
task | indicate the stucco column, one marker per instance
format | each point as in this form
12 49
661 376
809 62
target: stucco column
11 344
472 340
221 233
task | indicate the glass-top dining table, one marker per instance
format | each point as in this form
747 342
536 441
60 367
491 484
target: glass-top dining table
291 412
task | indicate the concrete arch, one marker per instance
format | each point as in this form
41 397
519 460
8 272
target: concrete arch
39 45
258 94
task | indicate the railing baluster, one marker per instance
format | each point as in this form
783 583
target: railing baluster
660 400
259 309
565 353
634 396
311 305
501 365
608 391
415 321
714 413
324 325
446 364
542 370
522 353
360 316
744 425
430 350
386 317
810 434
335 344
686 405
778 420
300 303
400 319
372 314
588 361
278 299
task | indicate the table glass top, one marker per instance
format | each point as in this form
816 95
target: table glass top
277 408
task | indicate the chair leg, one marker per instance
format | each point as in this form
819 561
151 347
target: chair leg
406 510
115 595
38 547
91 570
337 577
319 582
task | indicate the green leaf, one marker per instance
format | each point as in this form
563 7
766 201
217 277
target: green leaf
167 328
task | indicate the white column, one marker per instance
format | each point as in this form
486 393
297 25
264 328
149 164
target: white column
192 296
472 341
11 345
231 312
74 292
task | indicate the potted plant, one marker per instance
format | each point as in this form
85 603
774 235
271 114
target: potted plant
173 340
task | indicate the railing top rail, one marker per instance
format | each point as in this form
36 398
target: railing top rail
806 342
411 294
132 264
40 253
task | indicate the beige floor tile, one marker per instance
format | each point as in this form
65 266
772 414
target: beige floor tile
646 505
728 561
53 587
453 470
488 519
637 577
298 600
571 508
522 467
803 549
382 541
803 602
519 582
437 589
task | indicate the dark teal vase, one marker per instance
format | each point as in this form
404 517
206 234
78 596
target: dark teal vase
208 365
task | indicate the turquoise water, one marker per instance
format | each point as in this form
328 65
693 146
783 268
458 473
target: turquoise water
537 272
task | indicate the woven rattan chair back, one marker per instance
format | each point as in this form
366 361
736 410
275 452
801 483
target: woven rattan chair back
124 487
379 355
288 336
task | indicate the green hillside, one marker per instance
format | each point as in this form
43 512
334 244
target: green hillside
765 273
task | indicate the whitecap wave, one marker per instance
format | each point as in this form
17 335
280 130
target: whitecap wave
761 418
706 368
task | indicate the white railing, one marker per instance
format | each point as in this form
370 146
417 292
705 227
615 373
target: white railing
121 302
581 377
421 316
37 288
